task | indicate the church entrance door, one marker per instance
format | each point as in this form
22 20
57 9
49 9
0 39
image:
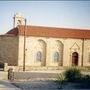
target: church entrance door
74 59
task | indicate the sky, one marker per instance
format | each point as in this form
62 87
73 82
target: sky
63 14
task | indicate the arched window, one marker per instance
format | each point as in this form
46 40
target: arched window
39 56
56 56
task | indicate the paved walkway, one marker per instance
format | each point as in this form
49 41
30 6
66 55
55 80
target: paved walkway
6 85
37 85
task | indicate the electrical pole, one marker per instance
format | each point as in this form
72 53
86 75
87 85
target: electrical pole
24 48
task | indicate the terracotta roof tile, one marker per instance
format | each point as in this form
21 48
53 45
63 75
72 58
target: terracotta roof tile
13 31
51 32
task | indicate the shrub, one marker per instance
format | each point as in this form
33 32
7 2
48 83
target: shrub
85 81
60 80
72 74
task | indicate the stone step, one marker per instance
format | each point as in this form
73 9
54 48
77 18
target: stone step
43 68
36 75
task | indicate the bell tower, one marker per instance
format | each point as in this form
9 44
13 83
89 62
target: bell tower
18 20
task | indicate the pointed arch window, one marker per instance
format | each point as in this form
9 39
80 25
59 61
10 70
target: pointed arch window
39 56
56 56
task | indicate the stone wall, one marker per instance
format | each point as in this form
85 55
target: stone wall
9 50
86 54
70 46
12 51
33 45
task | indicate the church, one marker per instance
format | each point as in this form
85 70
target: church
26 48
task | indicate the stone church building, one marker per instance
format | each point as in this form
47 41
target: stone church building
27 47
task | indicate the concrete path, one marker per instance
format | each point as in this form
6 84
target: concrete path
6 85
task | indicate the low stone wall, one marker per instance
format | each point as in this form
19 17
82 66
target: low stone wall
6 67
3 75
32 68
39 68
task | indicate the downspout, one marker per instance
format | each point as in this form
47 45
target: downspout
82 51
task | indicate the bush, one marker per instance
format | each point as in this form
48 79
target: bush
61 80
72 74
85 81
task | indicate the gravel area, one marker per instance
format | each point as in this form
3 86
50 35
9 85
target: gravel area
45 85
37 85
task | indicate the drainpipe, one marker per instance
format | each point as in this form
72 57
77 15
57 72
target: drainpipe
82 52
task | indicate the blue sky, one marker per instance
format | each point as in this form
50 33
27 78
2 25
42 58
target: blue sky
67 14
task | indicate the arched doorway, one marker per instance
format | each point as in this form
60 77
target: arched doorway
74 59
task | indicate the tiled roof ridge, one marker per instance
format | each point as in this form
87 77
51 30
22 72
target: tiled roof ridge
49 27
42 31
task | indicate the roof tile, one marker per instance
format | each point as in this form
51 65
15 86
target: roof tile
50 32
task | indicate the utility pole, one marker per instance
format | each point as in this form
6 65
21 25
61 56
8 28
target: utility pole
24 47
